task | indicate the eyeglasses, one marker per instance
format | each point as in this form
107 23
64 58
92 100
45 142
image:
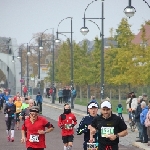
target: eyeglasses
33 114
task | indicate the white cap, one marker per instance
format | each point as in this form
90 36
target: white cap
93 105
106 104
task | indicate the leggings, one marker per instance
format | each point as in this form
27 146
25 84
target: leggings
10 124
30 148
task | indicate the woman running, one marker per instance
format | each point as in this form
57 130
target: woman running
10 110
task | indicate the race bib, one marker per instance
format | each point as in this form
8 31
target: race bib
34 138
68 126
105 131
92 146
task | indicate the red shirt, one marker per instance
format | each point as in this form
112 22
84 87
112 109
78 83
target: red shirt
68 121
34 139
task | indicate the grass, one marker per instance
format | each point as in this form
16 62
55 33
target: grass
113 102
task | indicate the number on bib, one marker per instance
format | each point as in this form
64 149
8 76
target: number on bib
105 131
34 138
92 146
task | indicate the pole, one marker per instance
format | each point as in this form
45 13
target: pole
27 68
102 55
21 68
53 78
72 103
39 66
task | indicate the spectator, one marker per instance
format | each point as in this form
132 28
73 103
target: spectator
147 124
137 119
60 95
142 120
39 101
119 110
64 95
25 90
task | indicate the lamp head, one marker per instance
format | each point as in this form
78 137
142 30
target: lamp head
13 61
84 30
28 53
57 41
18 57
129 11
41 48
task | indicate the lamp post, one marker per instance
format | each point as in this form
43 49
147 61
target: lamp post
71 54
84 30
130 10
53 77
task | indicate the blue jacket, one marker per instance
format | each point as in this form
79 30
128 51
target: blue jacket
143 115
39 98
6 97
83 128
60 93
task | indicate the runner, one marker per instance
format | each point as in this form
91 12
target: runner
85 124
25 104
35 128
66 122
18 105
25 112
10 110
109 126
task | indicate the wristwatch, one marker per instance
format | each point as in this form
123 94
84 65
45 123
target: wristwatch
117 136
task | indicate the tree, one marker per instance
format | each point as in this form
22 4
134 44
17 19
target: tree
124 35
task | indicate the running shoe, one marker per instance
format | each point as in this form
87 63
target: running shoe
8 138
12 139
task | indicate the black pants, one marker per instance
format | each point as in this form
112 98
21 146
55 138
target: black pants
108 147
30 148
60 100
145 136
40 106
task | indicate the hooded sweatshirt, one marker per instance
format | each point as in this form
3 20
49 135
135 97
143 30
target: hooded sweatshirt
143 115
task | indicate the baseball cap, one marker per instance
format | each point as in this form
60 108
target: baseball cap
106 104
91 105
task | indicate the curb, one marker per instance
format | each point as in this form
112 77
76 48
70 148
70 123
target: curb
49 105
141 145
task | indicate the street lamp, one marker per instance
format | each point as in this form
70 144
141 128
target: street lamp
71 51
130 10
41 46
84 30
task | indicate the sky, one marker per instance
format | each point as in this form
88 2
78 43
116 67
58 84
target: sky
20 19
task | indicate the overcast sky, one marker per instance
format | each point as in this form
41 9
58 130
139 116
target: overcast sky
21 19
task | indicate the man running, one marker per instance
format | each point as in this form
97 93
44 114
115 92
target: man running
10 110
35 127
66 122
85 124
109 126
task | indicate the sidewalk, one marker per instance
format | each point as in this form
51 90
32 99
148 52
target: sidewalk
81 110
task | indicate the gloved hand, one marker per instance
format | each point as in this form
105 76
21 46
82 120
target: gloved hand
72 125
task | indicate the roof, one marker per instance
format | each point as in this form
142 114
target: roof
138 39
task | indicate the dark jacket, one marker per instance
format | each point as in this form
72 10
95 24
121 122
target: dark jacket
137 113
83 128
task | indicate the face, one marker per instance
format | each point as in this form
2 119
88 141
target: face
10 100
33 115
93 111
6 93
31 103
67 107
18 98
106 112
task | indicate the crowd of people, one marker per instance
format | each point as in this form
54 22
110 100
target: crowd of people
140 107
19 109
66 94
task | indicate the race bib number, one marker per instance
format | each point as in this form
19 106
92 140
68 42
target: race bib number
105 131
92 146
34 138
68 126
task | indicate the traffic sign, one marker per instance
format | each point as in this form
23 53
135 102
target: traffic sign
22 80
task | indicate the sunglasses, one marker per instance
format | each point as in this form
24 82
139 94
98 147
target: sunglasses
33 114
